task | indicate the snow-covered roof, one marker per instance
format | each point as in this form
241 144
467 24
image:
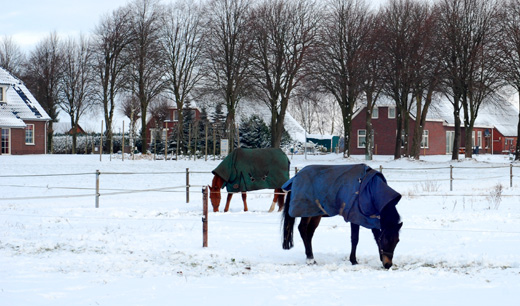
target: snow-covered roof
19 104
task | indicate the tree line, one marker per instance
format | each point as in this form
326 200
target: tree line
281 52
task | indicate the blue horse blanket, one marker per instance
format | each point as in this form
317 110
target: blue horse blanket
357 192
254 169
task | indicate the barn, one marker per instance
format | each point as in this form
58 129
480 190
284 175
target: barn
495 130
23 122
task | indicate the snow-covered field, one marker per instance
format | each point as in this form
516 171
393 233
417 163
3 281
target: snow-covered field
459 247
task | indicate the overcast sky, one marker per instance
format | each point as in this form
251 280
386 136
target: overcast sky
29 21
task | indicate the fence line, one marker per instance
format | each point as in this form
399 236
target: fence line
111 191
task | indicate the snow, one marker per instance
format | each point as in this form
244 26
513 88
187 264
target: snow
457 247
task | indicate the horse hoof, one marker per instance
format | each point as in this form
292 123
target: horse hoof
311 261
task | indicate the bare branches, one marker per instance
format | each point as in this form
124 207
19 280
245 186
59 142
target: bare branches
284 32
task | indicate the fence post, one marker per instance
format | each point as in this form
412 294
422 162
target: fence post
511 175
187 185
381 168
295 170
97 188
205 217
451 177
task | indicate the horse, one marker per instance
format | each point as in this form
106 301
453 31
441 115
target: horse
250 169
348 186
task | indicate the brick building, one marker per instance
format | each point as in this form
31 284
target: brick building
494 131
23 122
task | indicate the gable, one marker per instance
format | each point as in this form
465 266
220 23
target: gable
18 103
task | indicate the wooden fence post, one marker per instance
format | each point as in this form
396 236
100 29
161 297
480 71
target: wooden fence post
205 217
187 185
511 175
381 168
97 188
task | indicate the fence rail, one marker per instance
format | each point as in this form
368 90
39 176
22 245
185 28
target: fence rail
187 188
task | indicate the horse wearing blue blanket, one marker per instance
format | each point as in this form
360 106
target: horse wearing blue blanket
356 192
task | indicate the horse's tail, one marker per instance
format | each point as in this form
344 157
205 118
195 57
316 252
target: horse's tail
288 224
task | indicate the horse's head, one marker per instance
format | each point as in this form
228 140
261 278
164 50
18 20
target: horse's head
387 242
214 192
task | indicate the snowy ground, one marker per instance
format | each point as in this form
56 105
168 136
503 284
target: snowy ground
457 247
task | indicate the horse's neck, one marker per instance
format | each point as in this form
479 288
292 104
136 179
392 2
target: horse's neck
389 216
218 182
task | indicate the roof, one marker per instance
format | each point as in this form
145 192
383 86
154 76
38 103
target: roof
19 104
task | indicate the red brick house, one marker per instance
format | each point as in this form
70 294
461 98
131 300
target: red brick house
23 122
157 128
494 131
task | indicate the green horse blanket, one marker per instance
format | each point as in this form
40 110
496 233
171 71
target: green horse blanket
254 169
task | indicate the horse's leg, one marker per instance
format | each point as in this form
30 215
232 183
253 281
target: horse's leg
244 197
278 198
354 238
274 201
376 232
281 196
307 228
228 201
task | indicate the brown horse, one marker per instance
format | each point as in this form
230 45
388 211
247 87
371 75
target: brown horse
215 196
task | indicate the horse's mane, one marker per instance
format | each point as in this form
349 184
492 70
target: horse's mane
389 216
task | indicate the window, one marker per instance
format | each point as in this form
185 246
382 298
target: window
479 139
362 138
425 143
375 113
391 113
175 115
6 133
2 94
29 134
450 136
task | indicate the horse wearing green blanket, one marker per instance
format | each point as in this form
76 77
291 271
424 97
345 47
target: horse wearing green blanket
247 170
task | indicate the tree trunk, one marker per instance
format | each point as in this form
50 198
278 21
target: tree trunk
456 138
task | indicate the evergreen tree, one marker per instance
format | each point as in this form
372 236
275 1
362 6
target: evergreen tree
254 133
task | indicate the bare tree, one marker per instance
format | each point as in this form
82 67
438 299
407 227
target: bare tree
372 80
182 41
110 41
401 49
76 89
130 108
42 75
11 57
284 32
466 27
509 47
341 68
146 71
427 70
228 45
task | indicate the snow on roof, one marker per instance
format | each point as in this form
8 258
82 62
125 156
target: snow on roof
8 119
246 108
19 104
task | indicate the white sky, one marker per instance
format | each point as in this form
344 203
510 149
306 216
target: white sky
29 21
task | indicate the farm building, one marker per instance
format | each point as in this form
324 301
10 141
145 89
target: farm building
157 127
495 130
166 127
23 122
